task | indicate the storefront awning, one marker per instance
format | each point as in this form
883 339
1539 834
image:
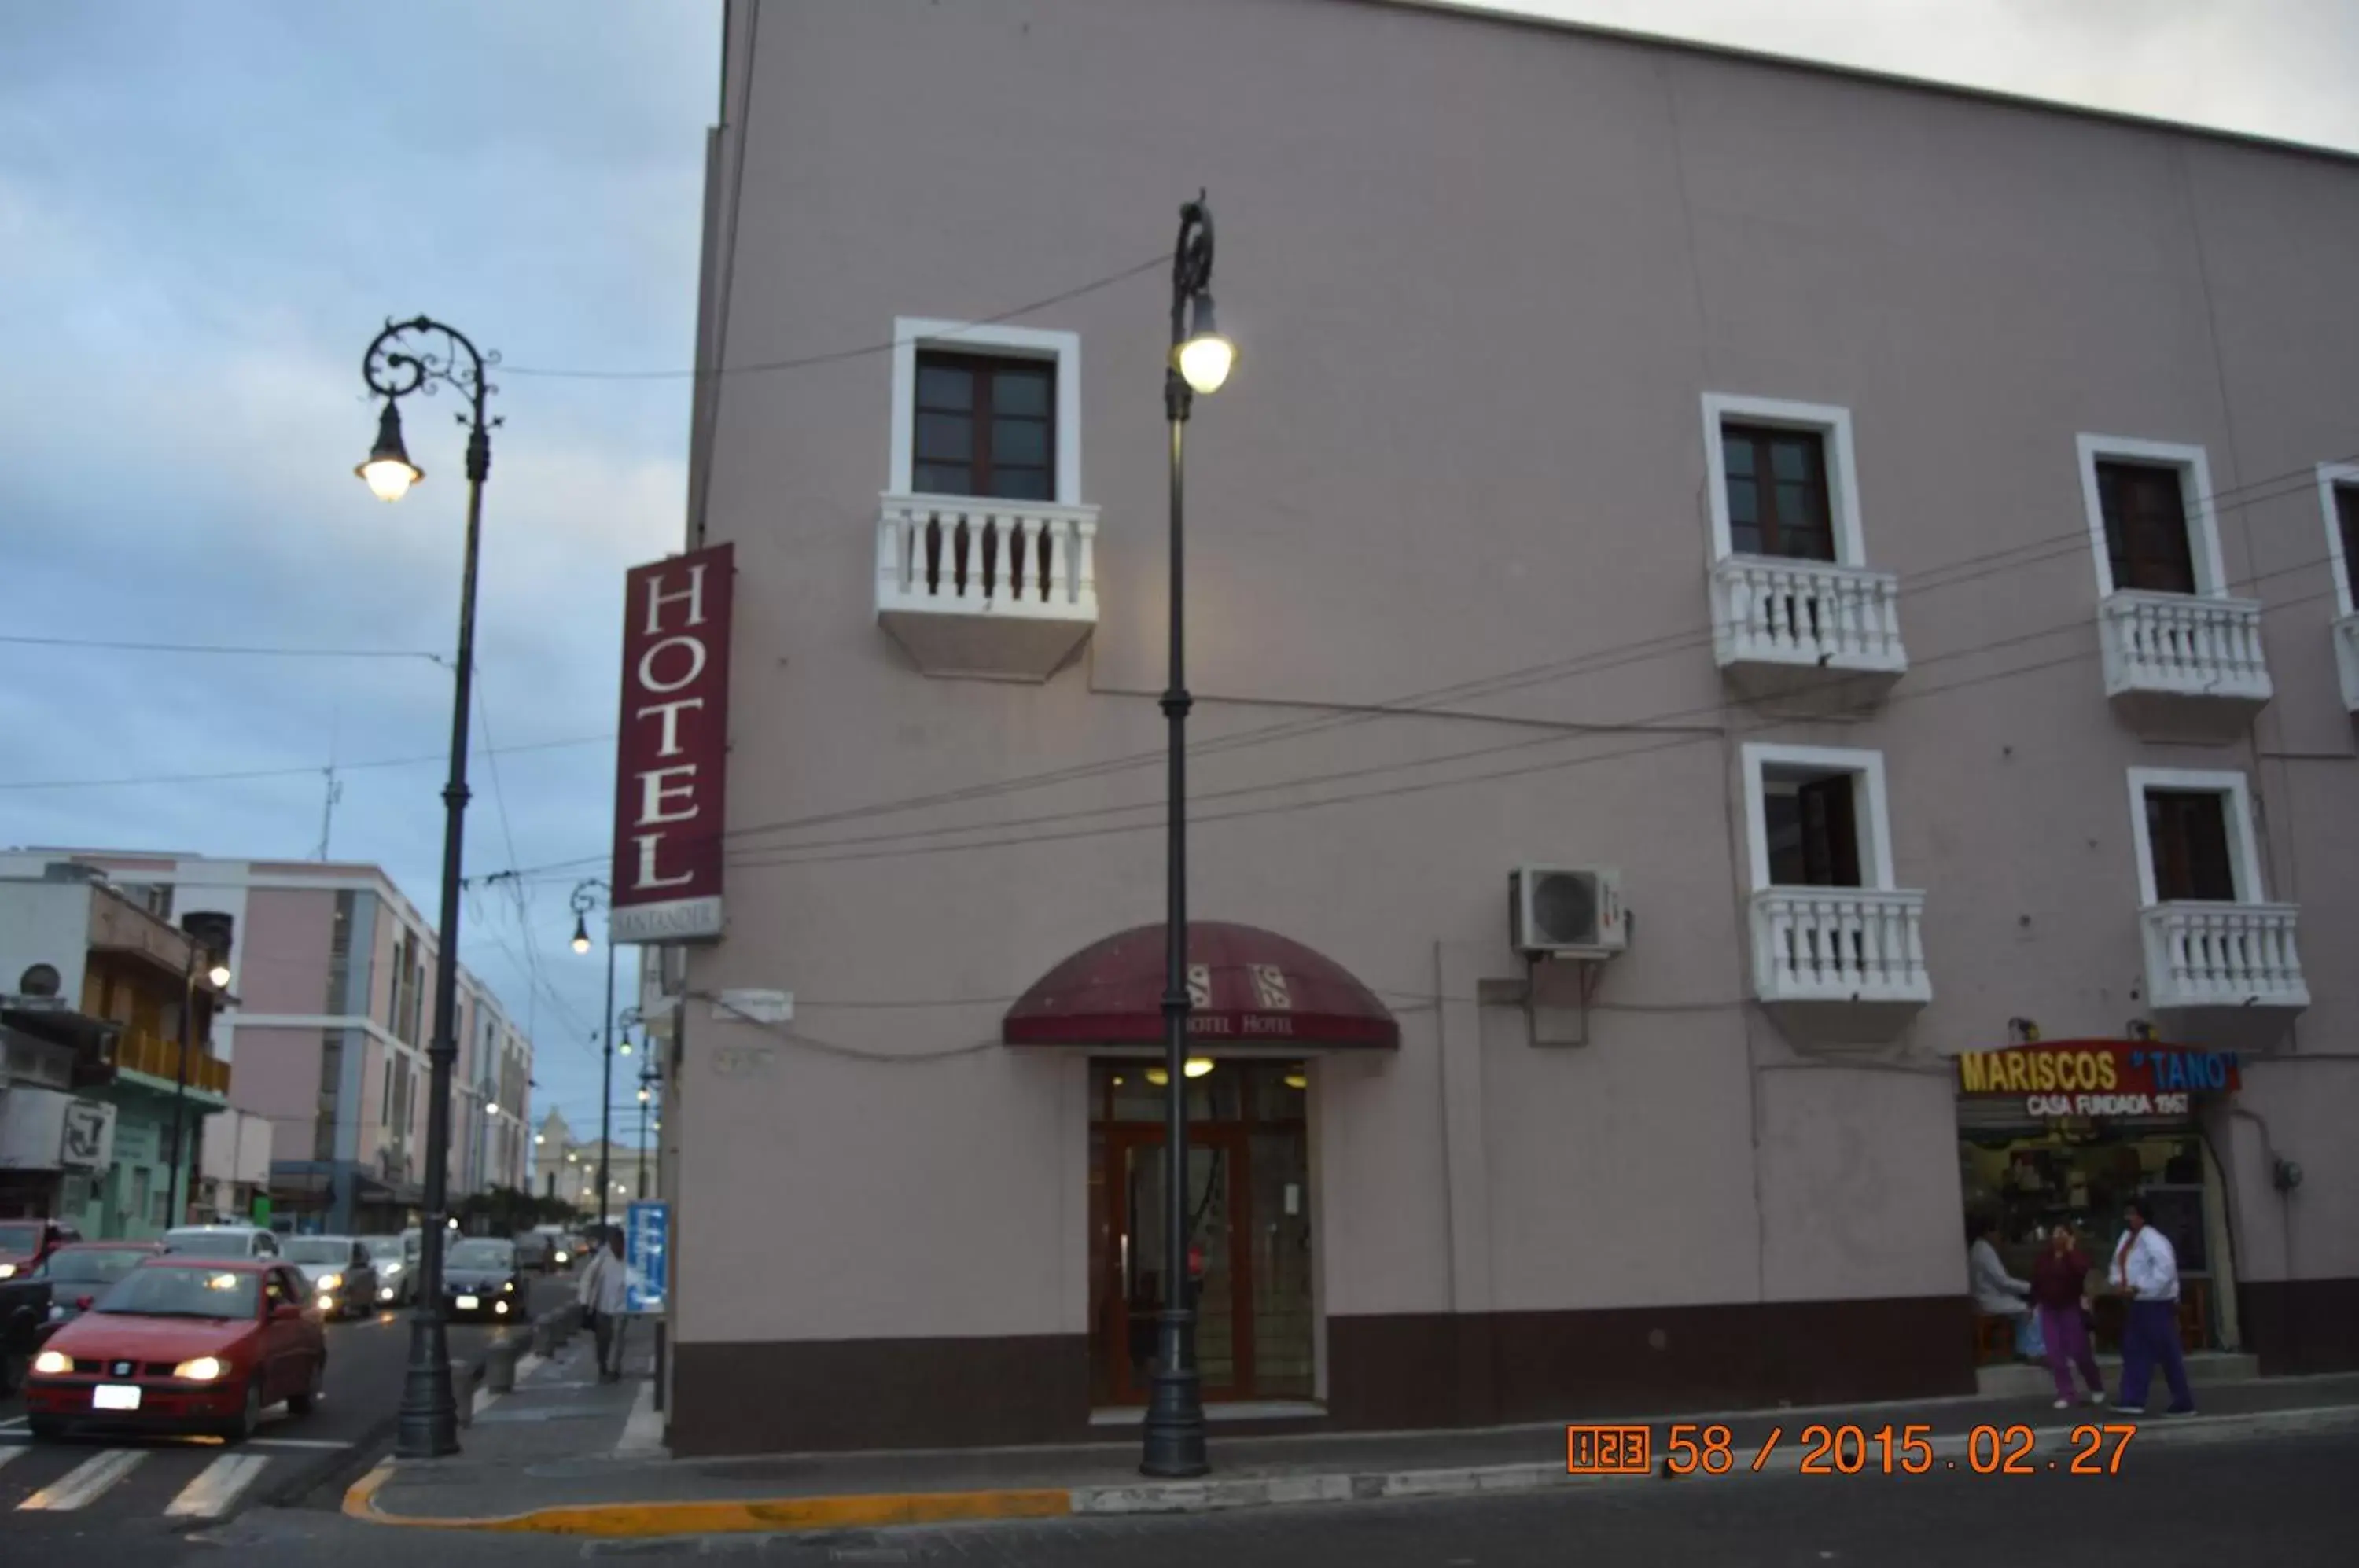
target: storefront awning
1249 988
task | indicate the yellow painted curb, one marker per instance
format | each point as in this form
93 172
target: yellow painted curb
731 1518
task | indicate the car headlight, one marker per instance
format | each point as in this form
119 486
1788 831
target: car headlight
507 1285
331 1282
203 1369
53 1364
7 1271
561 1255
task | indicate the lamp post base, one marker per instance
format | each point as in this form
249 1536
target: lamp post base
427 1425
1175 1410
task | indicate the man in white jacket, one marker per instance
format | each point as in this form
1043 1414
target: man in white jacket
601 1290
2146 1270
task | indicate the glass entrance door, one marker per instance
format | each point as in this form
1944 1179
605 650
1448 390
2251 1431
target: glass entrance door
1248 1232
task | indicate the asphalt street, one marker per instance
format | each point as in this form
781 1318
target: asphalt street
2283 1501
135 1483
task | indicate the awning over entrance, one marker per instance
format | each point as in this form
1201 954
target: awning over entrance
1247 987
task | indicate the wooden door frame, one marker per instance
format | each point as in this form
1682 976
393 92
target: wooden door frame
1235 1140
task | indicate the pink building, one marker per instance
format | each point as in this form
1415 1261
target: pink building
334 975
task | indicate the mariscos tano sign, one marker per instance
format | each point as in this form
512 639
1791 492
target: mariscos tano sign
2098 1077
673 754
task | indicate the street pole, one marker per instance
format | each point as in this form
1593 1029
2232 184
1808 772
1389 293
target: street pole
1174 1427
393 368
585 899
180 1085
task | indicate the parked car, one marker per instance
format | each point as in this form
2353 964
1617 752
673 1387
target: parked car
24 1243
535 1251
340 1271
222 1241
182 1344
396 1257
480 1278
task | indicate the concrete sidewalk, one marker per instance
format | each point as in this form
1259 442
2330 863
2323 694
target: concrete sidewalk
564 1455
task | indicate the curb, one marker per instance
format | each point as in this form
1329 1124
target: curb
885 1509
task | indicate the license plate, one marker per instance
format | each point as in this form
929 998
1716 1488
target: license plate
114 1397
466 1304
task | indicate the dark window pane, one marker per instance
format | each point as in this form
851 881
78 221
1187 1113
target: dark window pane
1743 506
1021 442
1791 458
945 386
1814 831
945 438
1796 506
2188 831
1020 484
944 479
1020 392
2147 540
1737 453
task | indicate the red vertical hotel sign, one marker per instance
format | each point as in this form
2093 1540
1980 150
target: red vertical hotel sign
673 757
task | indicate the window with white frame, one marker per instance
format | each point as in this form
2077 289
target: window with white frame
1782 480
985 410
1816 817
2194 837
2338 497
2152 526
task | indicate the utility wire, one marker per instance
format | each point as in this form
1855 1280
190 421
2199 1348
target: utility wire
223 648
833 356
790 858
310 772
1594 662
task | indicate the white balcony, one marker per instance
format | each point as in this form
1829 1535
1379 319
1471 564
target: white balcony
2176 663
1841 965
1782 627
2346 659
998 590
2225 969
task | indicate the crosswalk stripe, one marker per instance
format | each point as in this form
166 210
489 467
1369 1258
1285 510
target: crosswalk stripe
217 1486
11 1452
86 1482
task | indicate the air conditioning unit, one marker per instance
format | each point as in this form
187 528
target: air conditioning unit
1567 911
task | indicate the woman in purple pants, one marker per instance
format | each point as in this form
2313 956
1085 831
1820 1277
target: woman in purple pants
2059 1282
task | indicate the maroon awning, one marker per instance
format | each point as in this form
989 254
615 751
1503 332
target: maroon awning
1248 987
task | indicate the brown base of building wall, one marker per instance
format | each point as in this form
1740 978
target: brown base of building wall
1398 1372
2300 1326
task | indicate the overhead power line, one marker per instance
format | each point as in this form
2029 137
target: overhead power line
241 651
1950 574
833 356
311 772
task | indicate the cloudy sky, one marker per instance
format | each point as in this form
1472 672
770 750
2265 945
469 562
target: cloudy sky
206 211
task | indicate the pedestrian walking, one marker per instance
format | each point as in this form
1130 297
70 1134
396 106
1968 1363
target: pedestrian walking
2059 1289
602 1293
2146 1270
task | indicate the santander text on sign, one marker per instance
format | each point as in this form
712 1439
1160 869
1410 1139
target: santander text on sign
673 753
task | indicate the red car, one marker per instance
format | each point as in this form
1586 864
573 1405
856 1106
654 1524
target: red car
24 1243
199 1345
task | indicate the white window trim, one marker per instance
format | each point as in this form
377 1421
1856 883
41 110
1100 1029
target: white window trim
2332 475
1829 420
911 333
1875 821
2244 845
2195 483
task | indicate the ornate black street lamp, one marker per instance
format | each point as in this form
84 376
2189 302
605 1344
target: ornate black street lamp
1200 359
587 894
418 356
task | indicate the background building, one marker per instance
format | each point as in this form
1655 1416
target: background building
334 975
1893 536
107 1013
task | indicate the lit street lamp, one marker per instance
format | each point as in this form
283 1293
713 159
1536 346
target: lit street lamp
1200 361
419 356
585 898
